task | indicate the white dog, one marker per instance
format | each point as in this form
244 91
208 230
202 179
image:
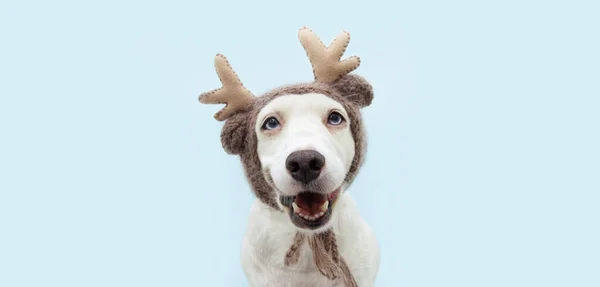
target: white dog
301 147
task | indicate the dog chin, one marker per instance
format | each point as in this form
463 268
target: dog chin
310 210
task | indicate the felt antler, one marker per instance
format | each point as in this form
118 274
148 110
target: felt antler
233 93
325 61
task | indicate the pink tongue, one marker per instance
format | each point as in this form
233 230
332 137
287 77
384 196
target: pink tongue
310 202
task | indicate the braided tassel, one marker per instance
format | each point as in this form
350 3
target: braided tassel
293 254
325 256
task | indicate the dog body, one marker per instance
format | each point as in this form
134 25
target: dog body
268 236
305 125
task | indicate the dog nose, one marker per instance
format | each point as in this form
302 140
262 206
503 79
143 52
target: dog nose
305 165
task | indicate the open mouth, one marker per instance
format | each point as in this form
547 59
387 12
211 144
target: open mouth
310 210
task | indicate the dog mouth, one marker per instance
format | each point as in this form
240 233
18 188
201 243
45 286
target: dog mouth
310 210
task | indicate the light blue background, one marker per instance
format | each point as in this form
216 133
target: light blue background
483 168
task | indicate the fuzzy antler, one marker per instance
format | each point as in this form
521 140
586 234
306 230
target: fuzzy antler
233 93
325 61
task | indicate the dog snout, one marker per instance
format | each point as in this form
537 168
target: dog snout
305 165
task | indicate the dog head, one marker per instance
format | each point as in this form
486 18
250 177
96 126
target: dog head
301 145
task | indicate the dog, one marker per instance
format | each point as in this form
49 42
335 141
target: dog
301 147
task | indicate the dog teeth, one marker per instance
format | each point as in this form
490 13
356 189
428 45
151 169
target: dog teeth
325 206
311 217
300 212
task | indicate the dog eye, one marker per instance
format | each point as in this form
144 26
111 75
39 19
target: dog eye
335 119
270 124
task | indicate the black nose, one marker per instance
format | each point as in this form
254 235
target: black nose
305 165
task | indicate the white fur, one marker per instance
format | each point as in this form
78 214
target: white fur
303 119
270 233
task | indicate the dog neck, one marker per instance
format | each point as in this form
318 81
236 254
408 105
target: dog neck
305 251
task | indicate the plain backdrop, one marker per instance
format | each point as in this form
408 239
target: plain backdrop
483 163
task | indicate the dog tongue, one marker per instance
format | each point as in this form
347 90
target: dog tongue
310 201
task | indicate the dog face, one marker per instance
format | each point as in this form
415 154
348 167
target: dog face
300 145
306 148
